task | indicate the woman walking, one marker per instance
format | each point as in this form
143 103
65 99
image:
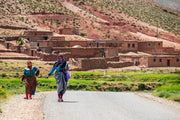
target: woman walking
61 68
29 74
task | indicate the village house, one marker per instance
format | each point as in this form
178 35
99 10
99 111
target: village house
97 54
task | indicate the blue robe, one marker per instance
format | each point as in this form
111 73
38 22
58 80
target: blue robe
60 75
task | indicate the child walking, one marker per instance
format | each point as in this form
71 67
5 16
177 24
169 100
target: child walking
29 74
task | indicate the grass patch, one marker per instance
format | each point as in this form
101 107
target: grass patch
173 81
170 92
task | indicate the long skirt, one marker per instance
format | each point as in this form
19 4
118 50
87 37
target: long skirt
30 84
61 82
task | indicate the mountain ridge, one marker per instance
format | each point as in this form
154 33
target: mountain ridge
124 18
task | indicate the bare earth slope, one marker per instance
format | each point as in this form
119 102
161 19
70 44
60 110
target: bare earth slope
110 20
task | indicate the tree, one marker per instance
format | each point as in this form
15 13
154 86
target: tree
20 41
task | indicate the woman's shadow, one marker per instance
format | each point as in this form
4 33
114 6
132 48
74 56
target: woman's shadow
70 101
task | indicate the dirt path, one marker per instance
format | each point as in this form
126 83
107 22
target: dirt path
81 12
17 108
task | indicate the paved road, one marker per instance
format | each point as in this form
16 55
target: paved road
80 105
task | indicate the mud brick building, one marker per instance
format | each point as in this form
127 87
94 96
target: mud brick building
129 46
33 35
150 46
123 46
161 61
96 54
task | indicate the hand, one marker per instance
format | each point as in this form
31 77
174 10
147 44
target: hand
21 82
47 76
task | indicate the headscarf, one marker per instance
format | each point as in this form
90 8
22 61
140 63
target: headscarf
30 66
62 58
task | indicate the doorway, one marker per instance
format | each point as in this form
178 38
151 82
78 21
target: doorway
32 53
101 54
7 45
168 62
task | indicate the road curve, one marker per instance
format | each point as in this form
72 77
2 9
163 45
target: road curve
79 105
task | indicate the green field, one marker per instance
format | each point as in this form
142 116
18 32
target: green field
97 81
161 82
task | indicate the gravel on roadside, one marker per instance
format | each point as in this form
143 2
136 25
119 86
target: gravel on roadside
160 100
18 108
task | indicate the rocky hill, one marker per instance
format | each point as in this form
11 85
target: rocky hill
96 19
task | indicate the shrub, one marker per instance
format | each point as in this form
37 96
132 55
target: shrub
3 75
19 41
175 97
133 24
17 75
83 34
141 87
164 94
3 93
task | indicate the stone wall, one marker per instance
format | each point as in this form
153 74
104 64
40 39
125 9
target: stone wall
98 63
93 63
86 52
33 33
119 64
170 50
61 43
104 43
58 38
150 46
143 61
81 43
13 27
115 59
111 52
131 58
11 38
12 46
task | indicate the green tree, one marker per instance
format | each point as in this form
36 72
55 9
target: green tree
19 41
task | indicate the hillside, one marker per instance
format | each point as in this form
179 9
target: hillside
145 10
102 19
30 6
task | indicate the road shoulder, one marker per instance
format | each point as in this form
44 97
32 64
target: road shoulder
20 109
160 100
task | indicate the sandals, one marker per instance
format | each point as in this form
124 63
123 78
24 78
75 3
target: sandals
60 100
25 98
